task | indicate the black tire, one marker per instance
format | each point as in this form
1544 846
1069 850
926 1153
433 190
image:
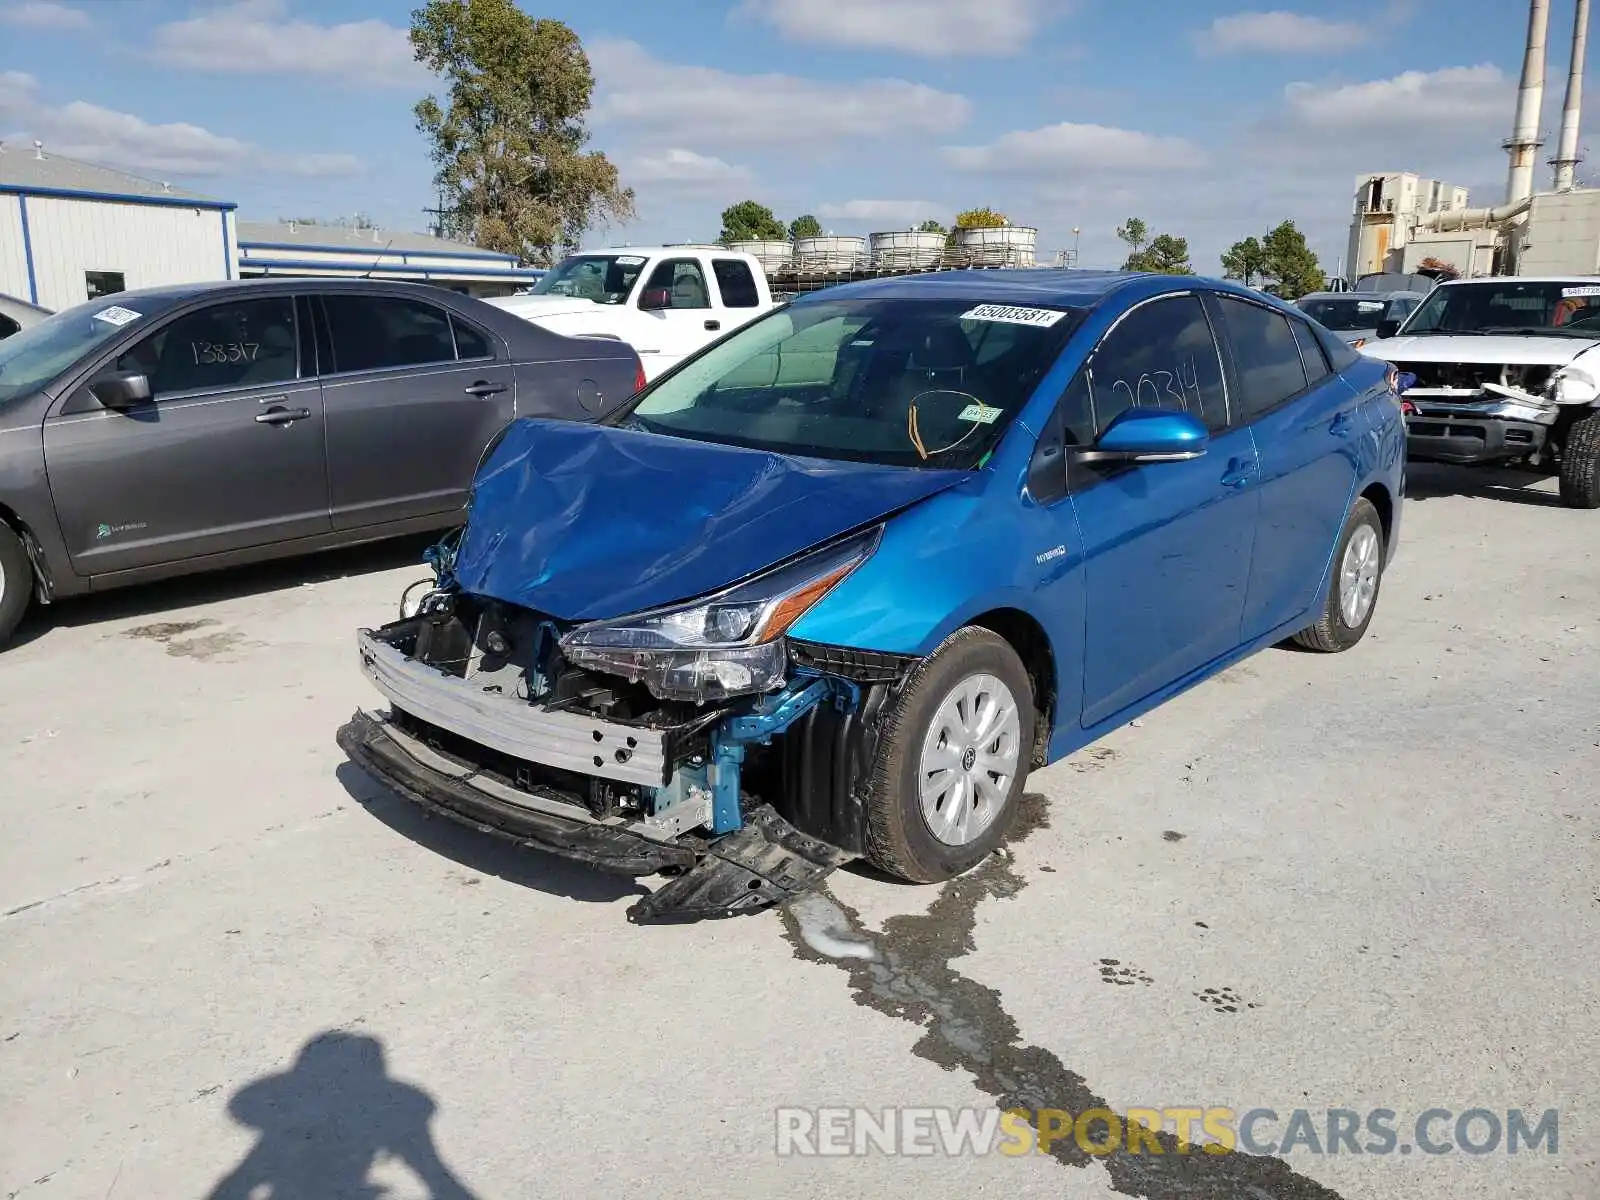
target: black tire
1330 633
1580 464
899 839
16 582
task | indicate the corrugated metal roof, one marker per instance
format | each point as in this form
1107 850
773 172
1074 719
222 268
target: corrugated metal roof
346 239
20 167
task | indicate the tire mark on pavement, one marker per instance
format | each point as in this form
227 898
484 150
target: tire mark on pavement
905 972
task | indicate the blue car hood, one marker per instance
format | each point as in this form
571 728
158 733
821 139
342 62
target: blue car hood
584 522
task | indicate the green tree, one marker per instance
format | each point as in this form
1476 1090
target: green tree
507 140
931 226
804 227
1291 263
1165 255
1245 261
748 221
980 218
1135 233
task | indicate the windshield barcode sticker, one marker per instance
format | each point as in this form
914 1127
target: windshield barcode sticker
981 413
116 315
1012 315
1586 290
630 260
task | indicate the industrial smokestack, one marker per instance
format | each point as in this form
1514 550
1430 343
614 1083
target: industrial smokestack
1524 143
1566 159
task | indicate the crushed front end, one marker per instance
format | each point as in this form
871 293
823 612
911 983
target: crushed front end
698 742
1477 413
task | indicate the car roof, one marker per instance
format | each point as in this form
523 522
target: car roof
1586 280
1065 288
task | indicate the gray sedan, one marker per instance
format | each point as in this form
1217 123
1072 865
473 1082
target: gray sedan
155 433
1355 316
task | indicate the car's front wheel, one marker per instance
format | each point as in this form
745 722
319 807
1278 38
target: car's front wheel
1580 464
953 756
16 582
1353 592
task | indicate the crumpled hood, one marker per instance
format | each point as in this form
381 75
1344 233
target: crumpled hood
1519 349
540 308
586 521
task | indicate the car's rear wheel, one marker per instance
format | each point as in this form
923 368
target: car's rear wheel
1580 464
1353 591
952 760
16 582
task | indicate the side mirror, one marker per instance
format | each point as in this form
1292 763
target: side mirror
125 390
1388 327
655 298
1148 435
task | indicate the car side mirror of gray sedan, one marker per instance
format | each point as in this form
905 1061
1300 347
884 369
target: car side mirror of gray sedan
126 389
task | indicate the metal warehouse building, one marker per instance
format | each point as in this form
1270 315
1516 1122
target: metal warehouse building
71 231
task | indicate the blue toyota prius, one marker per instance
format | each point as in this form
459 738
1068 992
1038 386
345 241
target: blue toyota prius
834 586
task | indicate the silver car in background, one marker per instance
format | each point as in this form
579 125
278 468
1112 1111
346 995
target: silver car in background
17 314
1355 316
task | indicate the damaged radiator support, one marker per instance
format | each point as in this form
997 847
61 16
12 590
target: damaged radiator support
739 812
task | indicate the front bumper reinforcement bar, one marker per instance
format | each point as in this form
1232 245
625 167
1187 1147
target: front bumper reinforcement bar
765 862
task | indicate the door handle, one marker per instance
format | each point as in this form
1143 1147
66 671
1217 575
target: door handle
282 416
713 324
483 388
1240 471
1340 425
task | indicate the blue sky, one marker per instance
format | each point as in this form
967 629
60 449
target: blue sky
1211 119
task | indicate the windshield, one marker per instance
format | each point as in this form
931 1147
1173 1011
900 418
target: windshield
603 278
1346 313
32 358
901 382
1558 309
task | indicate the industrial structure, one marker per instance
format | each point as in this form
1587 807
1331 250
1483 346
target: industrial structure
73 231
1401 220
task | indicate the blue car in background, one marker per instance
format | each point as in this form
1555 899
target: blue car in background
835 585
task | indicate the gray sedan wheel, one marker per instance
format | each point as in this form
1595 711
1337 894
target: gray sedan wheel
16 582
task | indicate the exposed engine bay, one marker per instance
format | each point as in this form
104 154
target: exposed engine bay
745 800
1527 377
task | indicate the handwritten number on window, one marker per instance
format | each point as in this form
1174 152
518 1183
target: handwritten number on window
1179 390
213 353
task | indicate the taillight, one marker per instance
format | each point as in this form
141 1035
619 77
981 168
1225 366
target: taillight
1391 377
638 377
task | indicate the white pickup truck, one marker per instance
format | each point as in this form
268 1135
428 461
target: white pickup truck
664 301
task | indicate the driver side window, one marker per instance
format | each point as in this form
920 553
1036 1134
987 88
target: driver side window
684 279
240 344
1160 355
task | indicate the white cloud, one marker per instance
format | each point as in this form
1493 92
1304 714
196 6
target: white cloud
683 167
1068 146
259 37
932 28
711 107
898 211
44 14
122 140
1280 33
1452 96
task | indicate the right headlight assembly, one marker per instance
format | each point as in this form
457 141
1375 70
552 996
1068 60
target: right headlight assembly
727 644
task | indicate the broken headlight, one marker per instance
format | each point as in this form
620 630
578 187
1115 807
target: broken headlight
729 644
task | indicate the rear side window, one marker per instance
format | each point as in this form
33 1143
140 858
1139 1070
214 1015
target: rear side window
469 342
371 333
1265 356
1161 355
240 344
736 283
1311 356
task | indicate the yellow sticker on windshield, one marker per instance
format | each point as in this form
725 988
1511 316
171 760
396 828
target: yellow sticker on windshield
981 413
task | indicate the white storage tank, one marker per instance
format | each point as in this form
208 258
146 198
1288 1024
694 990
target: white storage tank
773 255
830 253
903 250
1002 246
